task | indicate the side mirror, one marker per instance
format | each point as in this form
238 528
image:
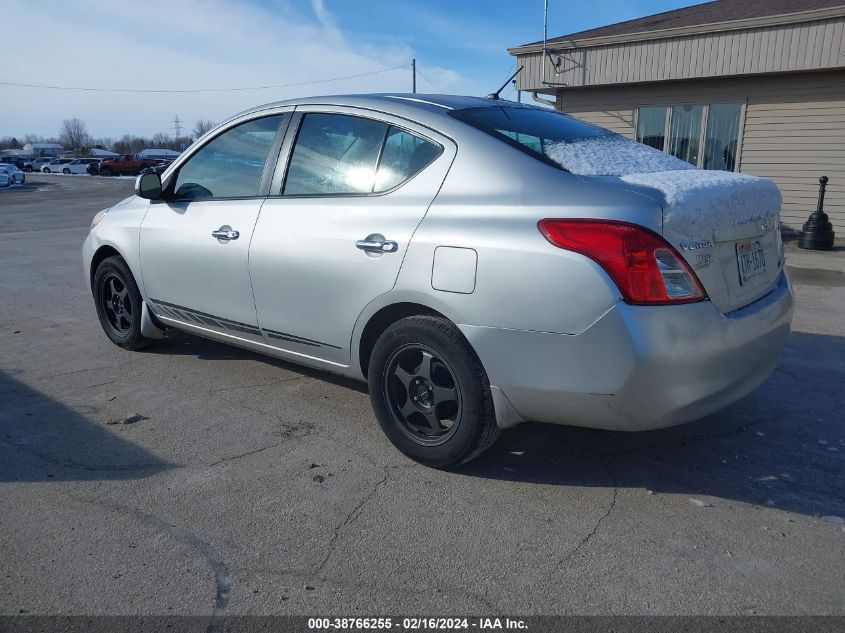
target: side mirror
148 186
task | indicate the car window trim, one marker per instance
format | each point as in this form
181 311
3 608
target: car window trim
280 178
269 162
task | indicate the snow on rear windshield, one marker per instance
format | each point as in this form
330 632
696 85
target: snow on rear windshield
579 147
612 155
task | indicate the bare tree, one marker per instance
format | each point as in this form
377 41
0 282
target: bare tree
10 142
201 127
74 134
160 139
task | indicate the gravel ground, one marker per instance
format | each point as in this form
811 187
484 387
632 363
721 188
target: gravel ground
195 478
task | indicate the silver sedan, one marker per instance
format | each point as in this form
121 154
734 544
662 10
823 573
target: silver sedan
478 262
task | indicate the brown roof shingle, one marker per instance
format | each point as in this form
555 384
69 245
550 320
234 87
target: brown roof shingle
700 14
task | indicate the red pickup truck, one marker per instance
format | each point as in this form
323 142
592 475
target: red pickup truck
126 165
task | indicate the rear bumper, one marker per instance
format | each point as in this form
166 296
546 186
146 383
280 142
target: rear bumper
638 367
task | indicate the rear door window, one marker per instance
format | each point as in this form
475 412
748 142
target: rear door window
334 154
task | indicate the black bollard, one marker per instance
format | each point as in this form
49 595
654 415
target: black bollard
817 233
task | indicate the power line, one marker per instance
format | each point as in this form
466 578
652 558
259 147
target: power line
133 90
428 81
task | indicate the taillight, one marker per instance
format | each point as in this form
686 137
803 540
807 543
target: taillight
646 269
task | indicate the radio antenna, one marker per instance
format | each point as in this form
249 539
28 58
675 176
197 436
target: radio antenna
495 95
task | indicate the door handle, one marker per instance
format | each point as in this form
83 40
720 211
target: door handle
225 233
372 245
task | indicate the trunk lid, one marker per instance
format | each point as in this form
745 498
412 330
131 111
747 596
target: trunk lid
724 225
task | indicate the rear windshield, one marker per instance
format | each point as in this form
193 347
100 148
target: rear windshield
532 130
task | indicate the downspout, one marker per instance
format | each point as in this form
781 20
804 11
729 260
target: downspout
543 100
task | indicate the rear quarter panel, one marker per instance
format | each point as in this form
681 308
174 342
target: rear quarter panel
491 202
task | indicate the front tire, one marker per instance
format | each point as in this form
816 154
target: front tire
66 171
46 170
118 303
430 393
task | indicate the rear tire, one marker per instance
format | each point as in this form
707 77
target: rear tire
66 171
46 170
105 172
118 302
430 393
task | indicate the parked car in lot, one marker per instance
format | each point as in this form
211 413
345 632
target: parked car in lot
126 165
79 165
16 176
56 165
13 160
5 180
35 164
478 262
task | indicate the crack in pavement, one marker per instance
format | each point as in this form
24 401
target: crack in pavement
350 517
256 451
586 539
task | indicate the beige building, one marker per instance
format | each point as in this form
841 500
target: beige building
754 86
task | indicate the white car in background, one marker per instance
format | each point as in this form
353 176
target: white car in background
79 165
15 175
56 165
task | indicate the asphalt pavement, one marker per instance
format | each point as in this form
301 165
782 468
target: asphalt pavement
196 478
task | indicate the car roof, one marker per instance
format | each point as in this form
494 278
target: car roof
425 108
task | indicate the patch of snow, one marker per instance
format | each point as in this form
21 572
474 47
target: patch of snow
612 155
695 201
699 503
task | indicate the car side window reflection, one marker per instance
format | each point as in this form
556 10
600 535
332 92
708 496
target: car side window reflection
334 154
338 154
231 165
404 156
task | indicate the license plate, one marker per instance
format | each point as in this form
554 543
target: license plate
751 260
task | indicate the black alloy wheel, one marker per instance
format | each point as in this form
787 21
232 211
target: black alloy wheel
118 302
423 395
114 299
430 393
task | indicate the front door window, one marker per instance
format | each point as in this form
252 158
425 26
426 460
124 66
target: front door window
230 165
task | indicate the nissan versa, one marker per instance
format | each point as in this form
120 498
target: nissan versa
478 262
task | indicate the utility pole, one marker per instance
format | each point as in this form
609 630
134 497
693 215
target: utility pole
414 75
178 126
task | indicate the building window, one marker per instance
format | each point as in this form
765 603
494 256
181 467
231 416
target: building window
705 135
651 126
722 136
686 132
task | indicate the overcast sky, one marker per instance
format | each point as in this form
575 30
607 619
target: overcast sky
199 44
